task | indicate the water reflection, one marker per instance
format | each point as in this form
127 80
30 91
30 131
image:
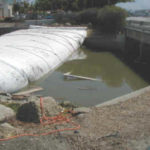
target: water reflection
106 66
117 79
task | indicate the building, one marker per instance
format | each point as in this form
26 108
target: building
6 8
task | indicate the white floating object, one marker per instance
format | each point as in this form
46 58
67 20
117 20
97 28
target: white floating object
70 76
27 55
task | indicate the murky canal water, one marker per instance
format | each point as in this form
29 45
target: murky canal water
116 79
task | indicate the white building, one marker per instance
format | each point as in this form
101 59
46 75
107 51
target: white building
6 8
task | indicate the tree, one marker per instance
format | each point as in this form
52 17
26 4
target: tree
74 4
43 4
16 7
21 7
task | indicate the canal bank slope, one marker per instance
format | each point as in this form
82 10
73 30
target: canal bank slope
120 124
123 124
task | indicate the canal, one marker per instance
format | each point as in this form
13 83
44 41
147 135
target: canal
116 79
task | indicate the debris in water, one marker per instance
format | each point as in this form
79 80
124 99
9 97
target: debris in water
70 76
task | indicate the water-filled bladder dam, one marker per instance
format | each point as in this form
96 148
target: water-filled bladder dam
27 55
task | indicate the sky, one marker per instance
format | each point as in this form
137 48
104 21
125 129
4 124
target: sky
138 4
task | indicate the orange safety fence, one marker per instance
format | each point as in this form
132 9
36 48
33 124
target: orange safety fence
45 120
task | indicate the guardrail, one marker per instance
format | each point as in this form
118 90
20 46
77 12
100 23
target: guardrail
141 24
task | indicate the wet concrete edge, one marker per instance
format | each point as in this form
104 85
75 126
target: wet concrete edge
125 97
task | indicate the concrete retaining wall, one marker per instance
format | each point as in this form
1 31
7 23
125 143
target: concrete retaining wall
105 42
125 97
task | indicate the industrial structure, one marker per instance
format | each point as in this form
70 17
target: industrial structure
6 8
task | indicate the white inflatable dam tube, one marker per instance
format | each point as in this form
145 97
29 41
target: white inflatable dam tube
27 55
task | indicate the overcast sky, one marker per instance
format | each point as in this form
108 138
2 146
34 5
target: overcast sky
138 4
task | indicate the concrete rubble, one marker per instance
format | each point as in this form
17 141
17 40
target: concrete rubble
7 130
82 110
6 113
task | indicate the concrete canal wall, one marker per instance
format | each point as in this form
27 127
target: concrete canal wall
135 40
125 97
9 27
105 42
137 37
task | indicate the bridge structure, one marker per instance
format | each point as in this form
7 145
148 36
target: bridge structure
138 28
137 35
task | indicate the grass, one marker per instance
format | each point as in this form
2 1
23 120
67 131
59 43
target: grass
13 106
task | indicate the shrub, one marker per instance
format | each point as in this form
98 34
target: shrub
87 16
111 19
66 17
108 20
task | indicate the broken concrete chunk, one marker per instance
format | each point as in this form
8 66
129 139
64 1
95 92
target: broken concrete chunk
67 104
6 113
82 110
7 130
7 126
19 97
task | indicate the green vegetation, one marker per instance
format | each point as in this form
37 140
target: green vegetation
13 106
109 19
23 7
66 17
74 5
88 16
100 14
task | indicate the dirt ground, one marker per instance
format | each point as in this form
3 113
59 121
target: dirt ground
123 126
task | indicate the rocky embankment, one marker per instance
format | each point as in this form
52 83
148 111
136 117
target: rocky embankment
124 125
19 112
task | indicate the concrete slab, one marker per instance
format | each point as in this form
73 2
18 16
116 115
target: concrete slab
125 97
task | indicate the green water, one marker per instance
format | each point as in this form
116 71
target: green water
116 79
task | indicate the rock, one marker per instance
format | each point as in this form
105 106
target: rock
5 94
67 104
5 98
6 113
89 25
55 24
82 110
81 116
7 130
6 126
19 97
31 111
76 131
68 24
